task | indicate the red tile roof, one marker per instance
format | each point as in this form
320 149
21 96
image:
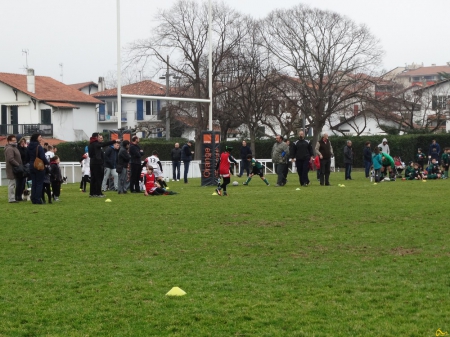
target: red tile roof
62 105
422 71
48 89
80 86
50 141
147 88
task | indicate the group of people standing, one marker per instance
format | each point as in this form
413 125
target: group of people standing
20 159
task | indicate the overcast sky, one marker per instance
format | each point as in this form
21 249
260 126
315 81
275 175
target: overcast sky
81 34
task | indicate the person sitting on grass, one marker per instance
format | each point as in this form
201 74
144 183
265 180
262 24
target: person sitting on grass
409 171
434 171
151 185
257 169
445 161
223 169
416 173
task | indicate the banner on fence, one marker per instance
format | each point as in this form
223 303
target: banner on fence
210 157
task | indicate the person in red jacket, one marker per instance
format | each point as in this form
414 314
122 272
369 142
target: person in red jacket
223 169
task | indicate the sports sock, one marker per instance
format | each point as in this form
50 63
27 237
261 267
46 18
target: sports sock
265 180
248 180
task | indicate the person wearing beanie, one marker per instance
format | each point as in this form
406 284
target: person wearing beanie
186 157
223 169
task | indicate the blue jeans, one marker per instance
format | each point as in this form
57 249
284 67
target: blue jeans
186 170
348 171
367 165
37 184
176 166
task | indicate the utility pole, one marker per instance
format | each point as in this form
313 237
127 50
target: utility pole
167 102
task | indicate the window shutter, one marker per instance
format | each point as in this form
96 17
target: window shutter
434 102
140 110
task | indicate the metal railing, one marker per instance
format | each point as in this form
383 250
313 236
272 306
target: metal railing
26 129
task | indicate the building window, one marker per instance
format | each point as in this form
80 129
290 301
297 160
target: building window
439 102
151 108
46 116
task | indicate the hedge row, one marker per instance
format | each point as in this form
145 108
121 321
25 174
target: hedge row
404 146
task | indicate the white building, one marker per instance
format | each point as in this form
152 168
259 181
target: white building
134 111
31 104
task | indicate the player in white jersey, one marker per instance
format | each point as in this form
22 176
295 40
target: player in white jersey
153 160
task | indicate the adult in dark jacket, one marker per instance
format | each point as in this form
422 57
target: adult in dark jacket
367 159
122 166
325 152
348 160
186 157
37 177
21 181
245 151
302 154
95 150
175 155
111 154
135 164
12 159
434 151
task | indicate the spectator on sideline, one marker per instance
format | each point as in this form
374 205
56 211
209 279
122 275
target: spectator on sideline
175 155
111 154
325 151
37 177
348 160
135 164
12 159
302 154
279 152
186 157
367 159
384 146
96 163
245 151
22 181
122 166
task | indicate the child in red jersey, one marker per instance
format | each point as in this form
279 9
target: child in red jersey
152 187
223 169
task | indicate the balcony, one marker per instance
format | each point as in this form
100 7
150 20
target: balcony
46 130
111 118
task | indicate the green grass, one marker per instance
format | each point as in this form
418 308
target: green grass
359 260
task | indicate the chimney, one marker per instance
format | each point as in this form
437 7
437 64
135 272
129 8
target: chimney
31 81
101 83
433 64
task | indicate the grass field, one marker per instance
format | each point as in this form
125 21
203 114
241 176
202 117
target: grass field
359 260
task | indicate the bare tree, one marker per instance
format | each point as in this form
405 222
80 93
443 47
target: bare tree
328 53
182 33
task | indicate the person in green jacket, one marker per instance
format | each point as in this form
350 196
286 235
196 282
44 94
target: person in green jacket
388 165
257 169
445 160
409 171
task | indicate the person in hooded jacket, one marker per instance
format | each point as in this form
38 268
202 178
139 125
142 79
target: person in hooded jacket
37 177
95 150
122 166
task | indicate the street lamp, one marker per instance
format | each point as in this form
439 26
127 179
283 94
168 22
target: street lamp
167 78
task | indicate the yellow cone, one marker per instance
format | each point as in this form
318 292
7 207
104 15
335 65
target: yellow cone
175 291
108 200
424 181
214 193
297 189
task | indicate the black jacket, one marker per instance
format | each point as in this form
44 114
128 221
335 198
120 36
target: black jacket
186 154
175 154
111 157
245 150
367 154
96 152
301 150
135 154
